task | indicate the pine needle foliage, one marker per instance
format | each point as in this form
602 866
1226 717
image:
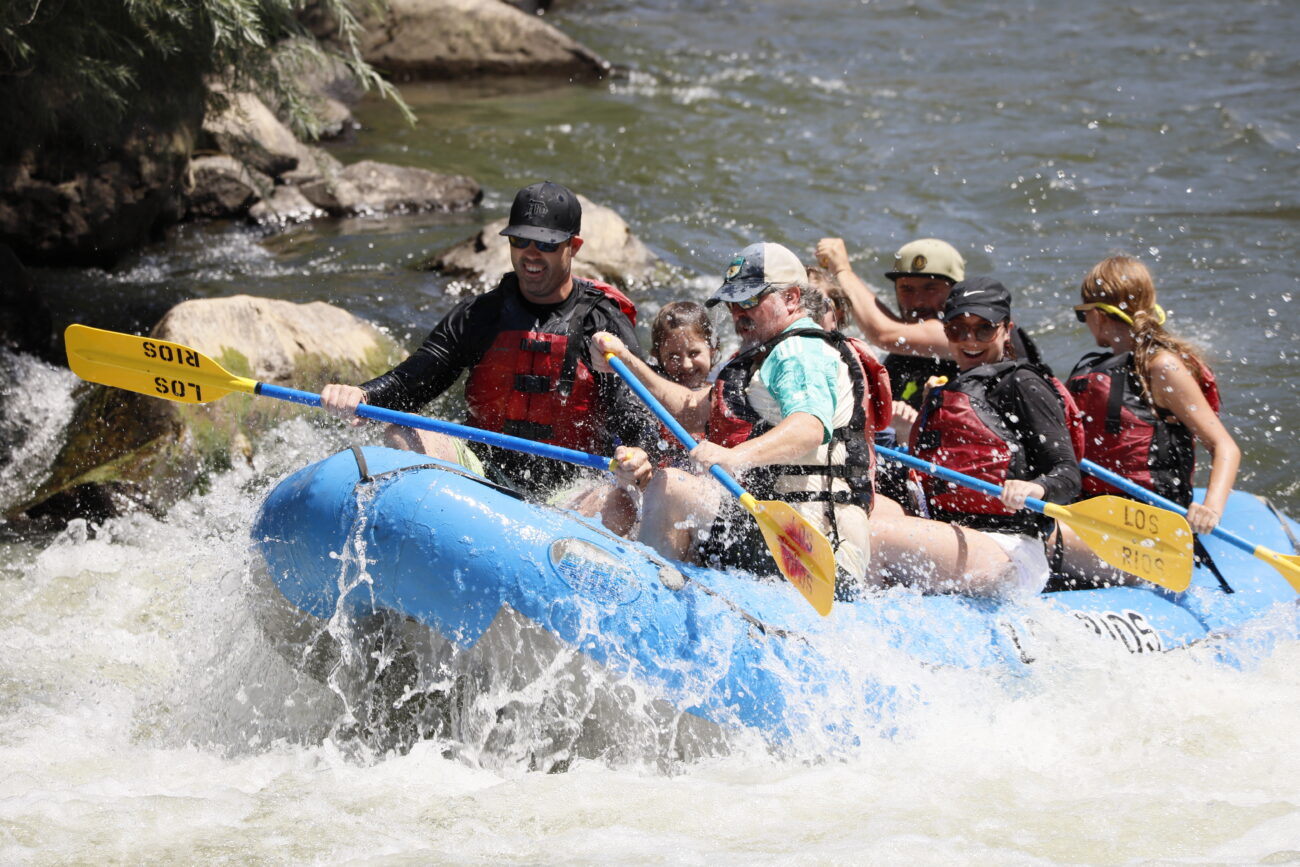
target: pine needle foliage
85 73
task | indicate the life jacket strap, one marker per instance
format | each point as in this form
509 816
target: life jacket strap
531 383
528 430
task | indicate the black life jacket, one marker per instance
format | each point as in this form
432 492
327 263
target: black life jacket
733 420
532 382
1126 434
908 375
963 425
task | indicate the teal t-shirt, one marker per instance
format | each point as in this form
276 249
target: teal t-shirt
802 375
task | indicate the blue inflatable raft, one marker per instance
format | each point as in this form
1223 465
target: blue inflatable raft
504 584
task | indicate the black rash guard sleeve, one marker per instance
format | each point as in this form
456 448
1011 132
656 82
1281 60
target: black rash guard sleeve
1035 409
455 344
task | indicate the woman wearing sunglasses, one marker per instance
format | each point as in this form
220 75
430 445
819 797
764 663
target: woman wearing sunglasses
1147 396
1000 419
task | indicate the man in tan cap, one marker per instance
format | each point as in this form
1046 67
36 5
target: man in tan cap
924 272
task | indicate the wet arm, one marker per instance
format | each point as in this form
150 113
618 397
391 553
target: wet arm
1176 390
431 369
879 324
1037 411
794 436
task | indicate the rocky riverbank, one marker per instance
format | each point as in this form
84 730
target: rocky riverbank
88 203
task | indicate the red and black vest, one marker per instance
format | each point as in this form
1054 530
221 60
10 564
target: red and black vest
964 425
1126 434
532 382
733 420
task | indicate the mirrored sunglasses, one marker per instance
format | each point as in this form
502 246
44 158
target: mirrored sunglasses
542 246
751 303
959 333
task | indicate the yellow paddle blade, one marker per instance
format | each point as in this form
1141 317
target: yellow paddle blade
801 551
1287 564
1152 543
154 367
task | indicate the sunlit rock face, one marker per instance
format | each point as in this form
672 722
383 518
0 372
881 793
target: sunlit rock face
265 173
449 39
126 450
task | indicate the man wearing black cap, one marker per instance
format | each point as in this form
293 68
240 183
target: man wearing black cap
525 346
1000 419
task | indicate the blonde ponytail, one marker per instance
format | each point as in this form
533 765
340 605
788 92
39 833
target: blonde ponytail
1125 283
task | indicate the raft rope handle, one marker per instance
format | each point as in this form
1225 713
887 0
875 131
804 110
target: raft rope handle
361 463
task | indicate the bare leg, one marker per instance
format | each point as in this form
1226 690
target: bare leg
435 445
937 557
677 507
886 509
616 506
1084 567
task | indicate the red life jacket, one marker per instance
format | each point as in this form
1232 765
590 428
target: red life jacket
1126 434
733 420
1073 417
962 426
532 382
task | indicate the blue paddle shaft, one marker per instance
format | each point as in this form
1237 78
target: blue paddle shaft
671 423
1133 489
465 432
933 469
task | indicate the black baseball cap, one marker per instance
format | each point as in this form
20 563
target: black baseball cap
981 296
545 212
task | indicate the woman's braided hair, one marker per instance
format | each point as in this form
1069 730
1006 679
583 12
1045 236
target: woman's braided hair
1125 283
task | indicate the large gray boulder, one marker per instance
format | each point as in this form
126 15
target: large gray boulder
371 187
125 450
251 133
329 90
610 251
285 205
449 39
264 171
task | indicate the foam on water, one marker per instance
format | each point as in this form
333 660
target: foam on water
146 717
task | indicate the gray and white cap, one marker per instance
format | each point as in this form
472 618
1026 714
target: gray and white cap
757 268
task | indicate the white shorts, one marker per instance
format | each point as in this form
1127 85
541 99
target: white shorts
1029 570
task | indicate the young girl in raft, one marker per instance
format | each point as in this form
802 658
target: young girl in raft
1146 397
682 347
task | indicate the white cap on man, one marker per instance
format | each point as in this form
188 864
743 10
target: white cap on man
757 269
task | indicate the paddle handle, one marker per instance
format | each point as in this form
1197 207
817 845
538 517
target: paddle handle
671 423
478 435
929 467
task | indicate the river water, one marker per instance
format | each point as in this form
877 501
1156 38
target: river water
144 717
